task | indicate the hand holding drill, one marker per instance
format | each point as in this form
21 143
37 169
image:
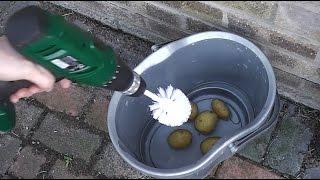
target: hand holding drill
14 66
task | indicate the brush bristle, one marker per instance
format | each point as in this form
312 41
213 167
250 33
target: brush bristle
173 107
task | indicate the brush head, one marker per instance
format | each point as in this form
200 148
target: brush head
171 107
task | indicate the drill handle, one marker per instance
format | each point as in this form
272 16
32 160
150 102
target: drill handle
7 88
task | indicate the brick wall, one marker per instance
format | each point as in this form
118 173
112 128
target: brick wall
287 32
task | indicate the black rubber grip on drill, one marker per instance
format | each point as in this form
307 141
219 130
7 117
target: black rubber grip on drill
7 88
123 79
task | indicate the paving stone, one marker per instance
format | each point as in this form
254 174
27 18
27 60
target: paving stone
27 116
9 147
70 101
236 168
60 171
113 166
27 164
67 140
312 173
256 149
287 149
98 110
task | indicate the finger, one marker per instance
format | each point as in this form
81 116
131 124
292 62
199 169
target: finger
32 90
25 92
28 93
42 78
65 83
21 93
14 98
35 89
49 77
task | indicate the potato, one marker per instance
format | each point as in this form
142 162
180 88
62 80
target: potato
205 122
179 139
194 111
206 144
220 109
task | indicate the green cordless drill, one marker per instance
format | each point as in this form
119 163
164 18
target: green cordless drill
67 52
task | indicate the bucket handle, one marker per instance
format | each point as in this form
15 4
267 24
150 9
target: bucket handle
272 121
156 47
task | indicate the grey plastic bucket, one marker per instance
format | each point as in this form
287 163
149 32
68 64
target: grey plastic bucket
205 66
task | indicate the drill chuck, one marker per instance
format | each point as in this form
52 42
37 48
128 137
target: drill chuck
126 81
137 86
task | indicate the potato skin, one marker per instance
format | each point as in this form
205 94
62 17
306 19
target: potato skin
206 122
220 108
179 139
194 111
206 144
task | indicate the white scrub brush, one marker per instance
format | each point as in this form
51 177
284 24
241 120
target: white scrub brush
171 106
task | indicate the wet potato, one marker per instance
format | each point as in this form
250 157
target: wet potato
194 111
220 108
206 122
207 144
179 139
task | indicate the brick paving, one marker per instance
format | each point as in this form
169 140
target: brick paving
8 151
256 149
28 164
63 134
67 140
98 110
290 144
236 168
60 171
112 165
27 116
70 101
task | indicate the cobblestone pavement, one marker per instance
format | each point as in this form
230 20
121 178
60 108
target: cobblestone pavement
63 134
